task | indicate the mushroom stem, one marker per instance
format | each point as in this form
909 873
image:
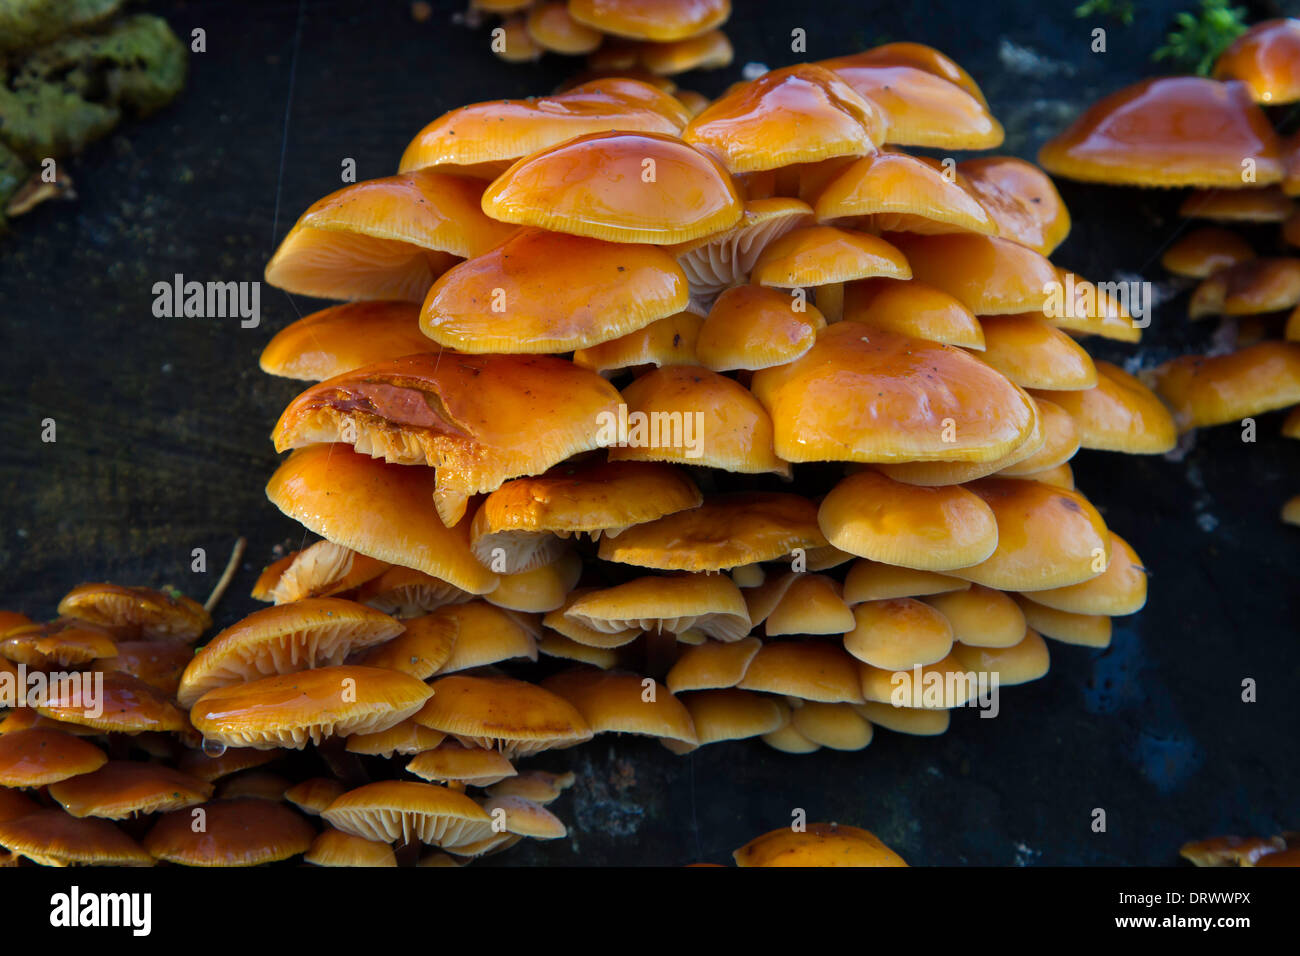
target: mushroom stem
830 300
236 555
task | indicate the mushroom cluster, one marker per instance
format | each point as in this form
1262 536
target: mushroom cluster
1282 850
100 740
831 489
1215 137
653 38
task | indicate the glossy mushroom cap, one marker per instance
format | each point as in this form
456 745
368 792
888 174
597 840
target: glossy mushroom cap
406 737
799 114
123 704
622 187
549 292
1119 414
873 396
1032 354
904 194
484 635
1019 664
53 838
313 795
1020 198
727 531
343 337
1214 390
659 20
448 412
912 308
321 569
385 511
57 644
873 581
511 716
821 255
710 50
1202 252
666 341
1267 59
552 28
124 788
159 664
820 844
38 758
138 612
751 327
1168 131
922 57
1120 589
288 710
1266 204
1248 288
242 832
988 275
312 633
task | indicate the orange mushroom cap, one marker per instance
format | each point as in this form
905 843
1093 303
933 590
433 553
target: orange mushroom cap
1203 252
512 716
659 20
752 327
1020 198
902 193
552 28
137 612
988 275
122 705
124 788
1267 59
241 832
912 308
37 758
666 341
1213 390
397 811
710 50
344 337
1118 414
819 255
54 838
819 844
1033 354
624 704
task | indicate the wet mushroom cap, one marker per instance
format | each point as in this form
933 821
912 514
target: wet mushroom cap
37 758
484 635
1202 252
1265 59
283 639
819 844
1168 131
624 703
1214 390
1020 198
241 832
922 57
819 255
1120 589
904 194
1248 288
54 838
1032 354
210 768
661 21
288 710
752 327
137 611
421 650
333 847
343 337
981 617
124 788
321 569
621 187
912 308
158 663
123 704
513 716
1119 414
667 341
58 644
1060 441
399 811
988 275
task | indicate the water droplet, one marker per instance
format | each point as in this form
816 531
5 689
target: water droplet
213 748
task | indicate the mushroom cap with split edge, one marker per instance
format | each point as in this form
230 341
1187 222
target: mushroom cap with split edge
138 612
383 511
51 837
240 832
288 710
624 703
479 420
549 292
279 640
705 602
617 186
124 788
343 337
817 845
906 393
512 716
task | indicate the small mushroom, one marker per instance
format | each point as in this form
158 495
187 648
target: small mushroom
667 341
314 794
712 665
552 28
333 847
124 788
137 612
242 832
818 844
816 670
512 716
1264 58
1019 664
343 337
896 192
873 581
662 22
406 737
38 758
710 50
1203 252
455 764
704 602
623 703
981 617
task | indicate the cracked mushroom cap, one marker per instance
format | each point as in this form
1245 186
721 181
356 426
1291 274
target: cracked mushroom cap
981 617
730 714
929 529
912 308
822 255
667 341
549 292
1085 630
1048 537
1119 414
423 648
920 107
712 665
1202 252
529 517
525 818
1168 131
902 193
1019 664
343 337
818 670
1248 288
124 788
484 635
478 420
705 602
123 705
54 838
751 327
873 581
1033 354
717 262
820 844
384 238
864 395
335 848
1020 198
321 569
57 644
288 710
692 416
799 114
452 762
137 612
905 720
622 703
1267 59
1119 590
241 832
988 275
313 795
512 716
661 21
896 635
316 632
38 758
406 737
483 139
383 511
618 186
1213 390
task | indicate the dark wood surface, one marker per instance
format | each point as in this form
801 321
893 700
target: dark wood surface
162 440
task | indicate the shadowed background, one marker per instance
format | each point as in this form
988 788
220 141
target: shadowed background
163 444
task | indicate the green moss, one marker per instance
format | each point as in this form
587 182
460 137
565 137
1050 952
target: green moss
29 23
1198 38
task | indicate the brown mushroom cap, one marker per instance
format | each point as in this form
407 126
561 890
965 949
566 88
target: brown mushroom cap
872 581
36 758
981 617
512 716
1168 131
257 784
542 291
1202 252
1120 589
335 848
727 531
1119 414
799 114
1265 59
1032 354
280 640
1266 204
447 412
902 193
618 186
1018 664
209 768
343 337
158 663
624 704
57 644
912 308
242 832
1205 390
661 21
124 788
931 529
137 612
288 710
53 838
124 704
817 670
864 395
1248 288
1047 537
452 762
820 844
897 634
